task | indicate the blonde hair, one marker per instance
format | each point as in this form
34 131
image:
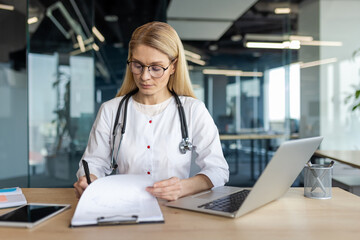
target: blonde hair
163 38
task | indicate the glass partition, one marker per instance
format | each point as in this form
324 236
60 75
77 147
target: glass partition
61 89
13 95
293 73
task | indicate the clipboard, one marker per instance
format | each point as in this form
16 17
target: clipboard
117 200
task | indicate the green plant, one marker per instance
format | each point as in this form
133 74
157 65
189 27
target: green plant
355 98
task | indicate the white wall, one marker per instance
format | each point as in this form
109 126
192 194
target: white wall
324 87
339 21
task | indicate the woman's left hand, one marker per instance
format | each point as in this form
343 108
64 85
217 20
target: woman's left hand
169 189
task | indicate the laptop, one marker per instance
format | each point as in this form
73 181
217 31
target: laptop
276 179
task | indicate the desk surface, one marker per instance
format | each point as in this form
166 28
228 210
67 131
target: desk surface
348 157
250 136
291 217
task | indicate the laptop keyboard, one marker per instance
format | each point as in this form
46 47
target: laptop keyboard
229 203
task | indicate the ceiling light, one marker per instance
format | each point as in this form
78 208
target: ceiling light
276 37
98 34
318 62
274 45
111 18
7 7
194 60
256 54
213 47
231 73
295 44
251 74
271 45
266 37
78 51
282 10
118 45
192 54
81 43
236 38
32 20
301 38
95 47
322 43
86 42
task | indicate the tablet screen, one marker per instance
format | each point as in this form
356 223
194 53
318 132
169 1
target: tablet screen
30 214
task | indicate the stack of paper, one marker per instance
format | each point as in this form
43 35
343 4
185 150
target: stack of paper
117 199
11 197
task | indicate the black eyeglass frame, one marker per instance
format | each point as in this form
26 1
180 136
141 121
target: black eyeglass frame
148 67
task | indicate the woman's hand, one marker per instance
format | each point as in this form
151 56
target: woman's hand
174 188
81 184
169 189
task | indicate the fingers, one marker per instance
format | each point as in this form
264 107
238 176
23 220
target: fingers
167 195
167 182
82 184
169 189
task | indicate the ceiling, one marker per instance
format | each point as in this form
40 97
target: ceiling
206 27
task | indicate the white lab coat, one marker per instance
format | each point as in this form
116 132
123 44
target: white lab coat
150 145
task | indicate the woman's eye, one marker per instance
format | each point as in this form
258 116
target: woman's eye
155 68
137 65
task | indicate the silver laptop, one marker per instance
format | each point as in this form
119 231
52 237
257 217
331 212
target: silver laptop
274 182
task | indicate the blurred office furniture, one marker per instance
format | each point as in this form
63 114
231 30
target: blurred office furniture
351 182
348 183
349 157
260 137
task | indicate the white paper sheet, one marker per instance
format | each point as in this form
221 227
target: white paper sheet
11 197
117 197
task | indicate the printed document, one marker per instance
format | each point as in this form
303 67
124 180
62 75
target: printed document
11 197
117 199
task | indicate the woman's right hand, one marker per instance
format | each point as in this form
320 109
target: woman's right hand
82 184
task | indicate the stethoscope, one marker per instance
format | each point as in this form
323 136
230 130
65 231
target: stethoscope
185 144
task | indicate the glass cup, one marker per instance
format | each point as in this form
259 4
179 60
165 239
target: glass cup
317 181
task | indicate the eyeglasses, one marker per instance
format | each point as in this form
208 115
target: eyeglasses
155 70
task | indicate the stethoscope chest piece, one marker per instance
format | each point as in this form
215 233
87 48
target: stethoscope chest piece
185 145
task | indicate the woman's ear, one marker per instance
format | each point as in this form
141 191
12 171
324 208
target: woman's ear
173 66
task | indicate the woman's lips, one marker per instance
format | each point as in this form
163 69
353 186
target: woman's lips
145 86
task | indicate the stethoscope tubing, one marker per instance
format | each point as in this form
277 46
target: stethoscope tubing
184 130
185 143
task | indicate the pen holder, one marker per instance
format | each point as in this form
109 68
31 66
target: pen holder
317 181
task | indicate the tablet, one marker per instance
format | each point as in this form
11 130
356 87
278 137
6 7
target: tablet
31 214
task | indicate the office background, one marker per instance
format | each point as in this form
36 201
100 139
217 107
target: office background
286 73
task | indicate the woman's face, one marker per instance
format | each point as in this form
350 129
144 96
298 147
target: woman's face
149 86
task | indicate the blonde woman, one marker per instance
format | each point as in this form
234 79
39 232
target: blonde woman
166 126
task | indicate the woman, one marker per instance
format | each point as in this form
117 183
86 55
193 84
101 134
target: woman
156 71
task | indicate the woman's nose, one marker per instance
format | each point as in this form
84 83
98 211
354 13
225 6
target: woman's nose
145 75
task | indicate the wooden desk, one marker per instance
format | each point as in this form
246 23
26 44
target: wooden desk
291 217
252 136
351 158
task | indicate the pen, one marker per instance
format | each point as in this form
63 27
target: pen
316 177
86 169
